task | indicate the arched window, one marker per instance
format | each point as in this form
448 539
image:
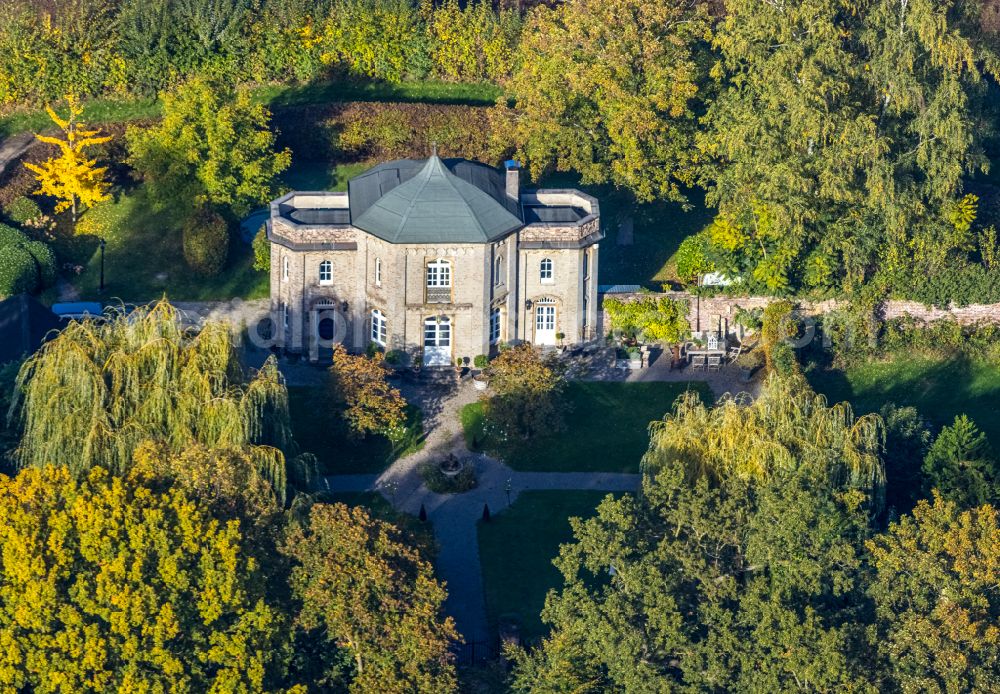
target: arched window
326 329
284 269
326 272
498 271
545 271
378 327
378 272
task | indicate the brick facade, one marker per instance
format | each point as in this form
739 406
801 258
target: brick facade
367 273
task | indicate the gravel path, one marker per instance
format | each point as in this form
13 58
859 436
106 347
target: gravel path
14 147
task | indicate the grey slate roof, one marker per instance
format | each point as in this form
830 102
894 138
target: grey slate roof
401 203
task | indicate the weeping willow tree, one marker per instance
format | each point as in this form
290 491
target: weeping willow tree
788 426
101 387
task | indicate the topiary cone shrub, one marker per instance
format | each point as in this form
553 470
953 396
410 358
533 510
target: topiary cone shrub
206 241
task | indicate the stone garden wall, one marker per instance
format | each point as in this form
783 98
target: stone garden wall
715 313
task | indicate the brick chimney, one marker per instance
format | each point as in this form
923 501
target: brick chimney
513 179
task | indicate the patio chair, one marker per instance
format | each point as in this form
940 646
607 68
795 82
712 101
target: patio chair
714 362
699 361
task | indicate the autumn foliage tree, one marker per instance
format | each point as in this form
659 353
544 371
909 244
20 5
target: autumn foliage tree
126 584
372 405
361 582
526 395
213 146
937 598
71 177
611 90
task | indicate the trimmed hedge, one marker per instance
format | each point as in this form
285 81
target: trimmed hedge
206 242
22 209
960 282
384 130
261 250
25 265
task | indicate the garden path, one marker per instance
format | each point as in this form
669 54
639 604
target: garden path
455 516
14 147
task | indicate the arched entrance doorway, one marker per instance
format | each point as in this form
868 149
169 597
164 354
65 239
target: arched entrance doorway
545 322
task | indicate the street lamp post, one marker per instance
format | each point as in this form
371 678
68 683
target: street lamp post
103 244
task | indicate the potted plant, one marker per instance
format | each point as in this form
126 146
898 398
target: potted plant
479 379
748 362
634 357
418 360
560 337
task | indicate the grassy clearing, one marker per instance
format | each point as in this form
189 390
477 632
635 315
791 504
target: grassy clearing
99 111
516 549
314 175
320 430
607 427
658 229
144 258
940 388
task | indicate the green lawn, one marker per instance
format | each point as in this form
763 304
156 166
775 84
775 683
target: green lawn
939 388
607 427
516 549
144 257
99 111
658 229
315 175
320 430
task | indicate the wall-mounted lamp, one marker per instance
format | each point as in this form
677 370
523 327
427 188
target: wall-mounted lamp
343 307
527 304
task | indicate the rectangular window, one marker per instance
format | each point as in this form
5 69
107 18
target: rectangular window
586 264
378 272
284 269
378 327
439 282
495 326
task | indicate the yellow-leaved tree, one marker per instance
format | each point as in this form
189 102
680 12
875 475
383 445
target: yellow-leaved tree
71 177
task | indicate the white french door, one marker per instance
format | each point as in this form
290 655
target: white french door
545 324
437 342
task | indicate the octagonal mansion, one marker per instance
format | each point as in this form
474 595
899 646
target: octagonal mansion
443 259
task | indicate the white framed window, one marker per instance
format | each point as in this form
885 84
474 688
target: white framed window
498 271
326 272
545 271
378 327
495 326
439 282
284 269
378 272
439 273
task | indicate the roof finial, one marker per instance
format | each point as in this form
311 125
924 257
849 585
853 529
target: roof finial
434 148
